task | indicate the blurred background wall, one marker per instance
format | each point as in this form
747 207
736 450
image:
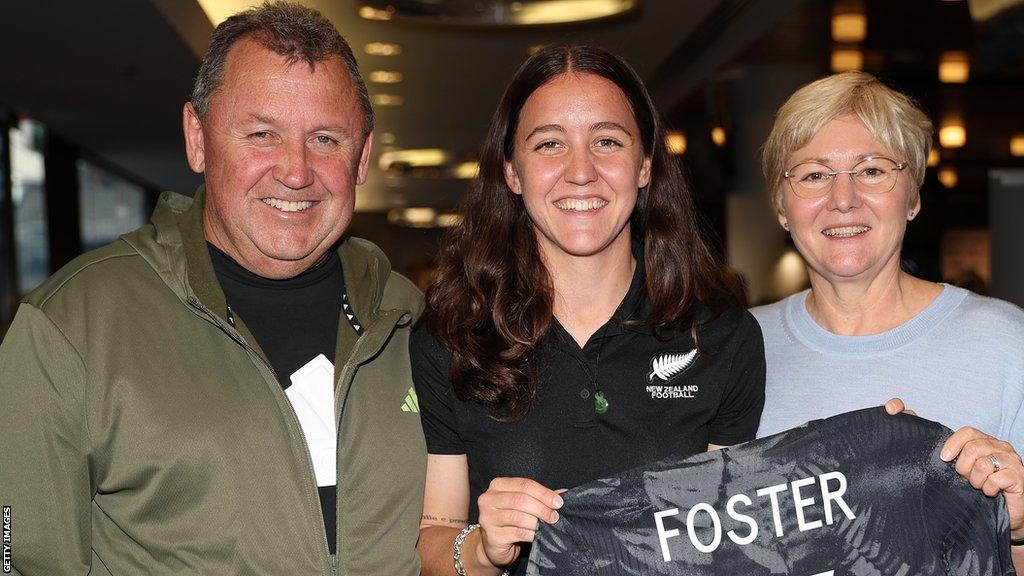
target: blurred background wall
91 96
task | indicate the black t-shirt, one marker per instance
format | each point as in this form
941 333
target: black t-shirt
859 494
293 321
662 398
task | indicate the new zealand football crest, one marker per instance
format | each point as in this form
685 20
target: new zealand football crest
666 367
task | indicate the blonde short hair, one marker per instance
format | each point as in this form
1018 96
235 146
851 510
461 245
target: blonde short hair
893 118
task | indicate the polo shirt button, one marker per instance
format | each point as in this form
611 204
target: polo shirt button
584 393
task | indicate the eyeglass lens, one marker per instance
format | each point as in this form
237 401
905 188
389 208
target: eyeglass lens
872 176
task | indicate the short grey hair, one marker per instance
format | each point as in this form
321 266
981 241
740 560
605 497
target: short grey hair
891 117
286 28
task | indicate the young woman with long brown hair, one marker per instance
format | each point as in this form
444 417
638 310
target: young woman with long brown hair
580 325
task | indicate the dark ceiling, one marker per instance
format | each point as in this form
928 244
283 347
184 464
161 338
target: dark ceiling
110 76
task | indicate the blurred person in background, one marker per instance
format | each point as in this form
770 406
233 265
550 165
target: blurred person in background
574 293
844 163
211 393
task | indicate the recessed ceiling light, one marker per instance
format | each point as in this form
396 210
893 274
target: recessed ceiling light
498 12
385 77
952 134
414 217
954 67
561 11
387 137
448 220
846 59
718 136
466 170
382 49
675 141
371 13
1017 145
933 158
388 99
849 27
413 158
948 176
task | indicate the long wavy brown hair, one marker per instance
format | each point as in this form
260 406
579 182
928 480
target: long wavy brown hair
492 302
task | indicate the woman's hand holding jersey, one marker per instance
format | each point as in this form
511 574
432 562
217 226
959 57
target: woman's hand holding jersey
992 466
989 464
510 511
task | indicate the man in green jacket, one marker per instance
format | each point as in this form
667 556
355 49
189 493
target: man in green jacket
226 390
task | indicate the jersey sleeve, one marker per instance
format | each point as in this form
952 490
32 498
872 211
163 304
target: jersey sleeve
430 374
45 481
743 399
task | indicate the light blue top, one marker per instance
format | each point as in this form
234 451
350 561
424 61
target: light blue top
960 361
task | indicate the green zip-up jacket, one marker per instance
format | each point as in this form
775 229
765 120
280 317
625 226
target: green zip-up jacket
140 433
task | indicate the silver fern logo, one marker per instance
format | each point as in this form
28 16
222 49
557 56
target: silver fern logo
668 365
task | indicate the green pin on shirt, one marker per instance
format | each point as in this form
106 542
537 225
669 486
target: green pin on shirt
600 403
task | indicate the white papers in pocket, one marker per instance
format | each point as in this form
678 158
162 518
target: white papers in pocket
312 398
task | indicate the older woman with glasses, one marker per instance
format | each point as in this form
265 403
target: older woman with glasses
844 162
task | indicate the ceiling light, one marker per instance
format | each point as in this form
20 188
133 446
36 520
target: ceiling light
675 140
952 134
413 158
382 49
1017 145
218 11
954 67
933 158
466 170
844 60
448 220
388 100
414 217
387 137
948 176
849 27
385 76
561 11
371 13
718 136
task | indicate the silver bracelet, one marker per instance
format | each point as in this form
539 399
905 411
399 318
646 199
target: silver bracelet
457 550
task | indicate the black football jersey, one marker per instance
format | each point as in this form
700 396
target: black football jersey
858 494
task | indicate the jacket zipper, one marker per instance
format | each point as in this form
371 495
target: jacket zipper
282 399
345 381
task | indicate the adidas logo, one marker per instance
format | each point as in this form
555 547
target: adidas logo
412 403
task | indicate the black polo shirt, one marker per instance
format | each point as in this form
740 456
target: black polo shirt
662 399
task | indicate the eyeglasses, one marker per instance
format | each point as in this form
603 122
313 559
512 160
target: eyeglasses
873 175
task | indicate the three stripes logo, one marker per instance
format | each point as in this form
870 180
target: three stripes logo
412 403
